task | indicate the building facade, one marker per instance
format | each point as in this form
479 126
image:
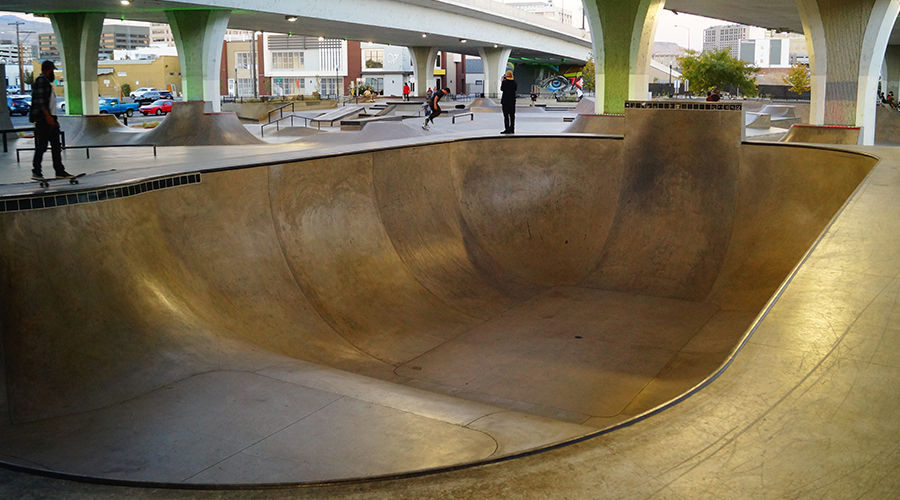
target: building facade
385 68
114 37
766 52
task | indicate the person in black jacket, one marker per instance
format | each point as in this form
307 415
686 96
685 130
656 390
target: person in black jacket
435 108
508 89
46 126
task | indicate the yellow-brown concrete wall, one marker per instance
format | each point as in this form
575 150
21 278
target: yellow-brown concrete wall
164 73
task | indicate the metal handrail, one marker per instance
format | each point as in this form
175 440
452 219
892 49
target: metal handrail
280 109
278 127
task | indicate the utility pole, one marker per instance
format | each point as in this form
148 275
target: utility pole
19 49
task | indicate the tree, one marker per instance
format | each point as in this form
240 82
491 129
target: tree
126 89
797 78
29 78
588 74
716 69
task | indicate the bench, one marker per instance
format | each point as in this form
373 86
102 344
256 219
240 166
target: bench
87 149
62 136
461 115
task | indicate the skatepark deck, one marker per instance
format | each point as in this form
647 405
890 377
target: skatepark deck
465 299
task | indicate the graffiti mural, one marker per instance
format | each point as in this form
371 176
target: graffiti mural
550 79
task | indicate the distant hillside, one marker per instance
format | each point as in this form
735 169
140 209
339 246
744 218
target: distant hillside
8 32
667 48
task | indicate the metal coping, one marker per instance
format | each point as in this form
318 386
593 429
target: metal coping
96 195
698 106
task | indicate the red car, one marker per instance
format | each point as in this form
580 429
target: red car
159 107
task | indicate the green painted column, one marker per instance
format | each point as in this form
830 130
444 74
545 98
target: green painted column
78 38
199 35
622 32
423 67
847 40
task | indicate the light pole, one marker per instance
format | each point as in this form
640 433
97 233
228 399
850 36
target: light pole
689 34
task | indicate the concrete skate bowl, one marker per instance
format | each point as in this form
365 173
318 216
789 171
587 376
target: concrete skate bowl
393 311
823 134
188 125
597 124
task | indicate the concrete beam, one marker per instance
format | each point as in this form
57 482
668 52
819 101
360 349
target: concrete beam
481 22
847 44
199 35
622 33
78 37
494 62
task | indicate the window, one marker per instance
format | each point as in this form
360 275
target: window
376 83
287 60
288 86
242 60
245 86
329 86
374 58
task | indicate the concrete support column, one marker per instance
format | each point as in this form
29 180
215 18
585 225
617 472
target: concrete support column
78 38
890 75
494 62
199 35
847 42
5 118
622 32
423 67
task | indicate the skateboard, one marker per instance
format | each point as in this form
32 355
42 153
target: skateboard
45 182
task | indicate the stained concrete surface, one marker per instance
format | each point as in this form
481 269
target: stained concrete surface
534 476
823 134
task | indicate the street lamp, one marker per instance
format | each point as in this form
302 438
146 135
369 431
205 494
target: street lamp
689 34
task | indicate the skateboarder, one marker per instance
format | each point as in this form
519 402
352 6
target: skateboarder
435 109
46 126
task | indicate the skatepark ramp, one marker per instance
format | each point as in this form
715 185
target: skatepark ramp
98 130
328 119
393 310
188 125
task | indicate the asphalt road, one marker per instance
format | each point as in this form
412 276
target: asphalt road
22 121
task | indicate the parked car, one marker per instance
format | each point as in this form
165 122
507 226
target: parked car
147 97
18 106
160 107
165 94
60 106
13 89
114 107
139 92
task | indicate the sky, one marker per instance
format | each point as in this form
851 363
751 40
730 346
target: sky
669 29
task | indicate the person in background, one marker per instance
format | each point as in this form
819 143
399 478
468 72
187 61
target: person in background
406 91
508 88
46 126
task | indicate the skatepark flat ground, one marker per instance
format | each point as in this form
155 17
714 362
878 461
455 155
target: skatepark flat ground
806 409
